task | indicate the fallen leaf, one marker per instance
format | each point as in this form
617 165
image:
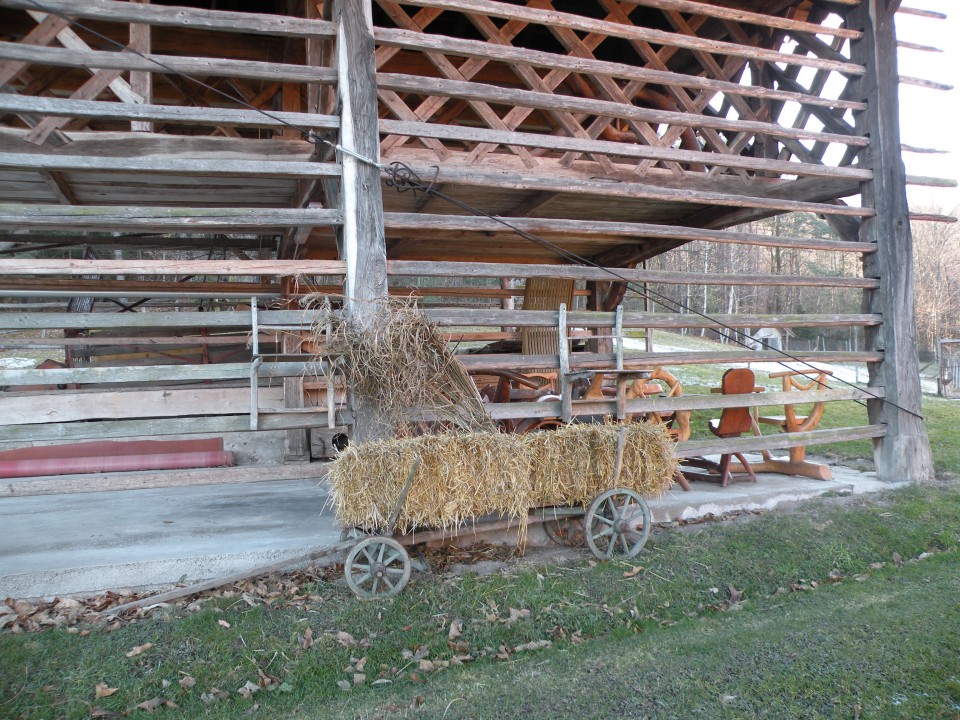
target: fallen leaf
359 678
382 681
346 639
897 559
99 712
417 701
285 687
426 666
252 709
151 704
343 685
735 595
223 623
518 614
361 664
456 630
101 691
633 572
533 645
577 637
187 682
138 650
248 689
307 641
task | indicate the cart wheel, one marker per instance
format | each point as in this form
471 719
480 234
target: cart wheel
377 567
565 531
617 523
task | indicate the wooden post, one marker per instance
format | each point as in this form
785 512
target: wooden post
362 245
904 453
141 82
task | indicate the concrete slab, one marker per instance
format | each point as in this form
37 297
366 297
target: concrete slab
85 543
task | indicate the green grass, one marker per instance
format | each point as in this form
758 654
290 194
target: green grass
657 644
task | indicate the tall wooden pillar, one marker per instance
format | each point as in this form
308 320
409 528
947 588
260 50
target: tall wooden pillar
362 244
904 454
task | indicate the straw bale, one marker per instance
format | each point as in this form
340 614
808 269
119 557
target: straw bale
468 475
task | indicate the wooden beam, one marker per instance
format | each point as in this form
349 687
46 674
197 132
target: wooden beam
161 219
155 373
476 177
552 18
141 82
184 17
508 54
363 245
431 224
904 452
549 101
55 162
169 64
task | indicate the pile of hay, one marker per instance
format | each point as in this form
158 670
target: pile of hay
465 476
399 364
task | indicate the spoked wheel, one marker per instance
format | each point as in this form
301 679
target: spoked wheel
617 524
377 567
565 531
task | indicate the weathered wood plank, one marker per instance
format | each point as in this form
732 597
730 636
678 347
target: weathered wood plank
174 166
422 222
616 149
180 114
65 406
749 443
477 177
509 54
154 373
108 482
552 18
550 101
160 426
166 64
185 17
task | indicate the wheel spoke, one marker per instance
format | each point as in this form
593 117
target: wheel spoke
360 566
623 541
383 549
366 553
394 554
395 570
376 584
613 543
604 520
611 508
362 579
390 585
603 533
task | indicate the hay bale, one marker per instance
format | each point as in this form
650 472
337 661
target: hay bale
460 477
574 464
465 476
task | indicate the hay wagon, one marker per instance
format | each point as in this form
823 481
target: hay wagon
624 462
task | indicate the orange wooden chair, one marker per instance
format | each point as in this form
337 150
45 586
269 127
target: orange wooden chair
732 423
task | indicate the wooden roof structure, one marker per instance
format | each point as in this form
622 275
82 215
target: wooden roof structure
616 130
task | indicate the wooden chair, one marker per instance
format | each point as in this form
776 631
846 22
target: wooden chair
732 423
798 381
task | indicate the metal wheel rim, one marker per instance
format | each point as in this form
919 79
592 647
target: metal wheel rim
617 524
377 567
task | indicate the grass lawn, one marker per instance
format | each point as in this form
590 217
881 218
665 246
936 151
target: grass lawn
786 615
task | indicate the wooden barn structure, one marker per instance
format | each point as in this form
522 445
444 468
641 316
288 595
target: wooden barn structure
174 177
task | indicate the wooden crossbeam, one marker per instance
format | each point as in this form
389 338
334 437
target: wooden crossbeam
554 19
66 57
195 18
509 54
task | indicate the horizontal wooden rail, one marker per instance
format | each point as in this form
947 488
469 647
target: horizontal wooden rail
487 179
453 317
598 361
105 429
154 373
550 101
552 18
410 267
161 219
425 42
185 17
178 114
66 406
753 443
265 167
747 17
166 64
424 223
616 149
552 408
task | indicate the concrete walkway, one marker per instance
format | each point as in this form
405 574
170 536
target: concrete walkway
84 543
